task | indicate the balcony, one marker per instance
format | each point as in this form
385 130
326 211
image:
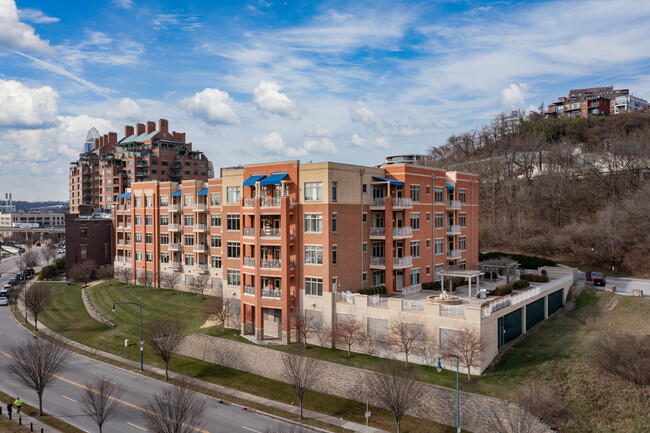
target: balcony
271 293
200 248
271 263
402 232
249 291
453 230
200 227
453 254
120 241
174 227
249 261
377 232
202 268
120 259
271 202
249 202
402 202
453 204
177 266
200 207
174 247
378 262
402 262
174 208
249 232
270 233
377 203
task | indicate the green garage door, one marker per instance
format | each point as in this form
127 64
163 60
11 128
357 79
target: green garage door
509 327
534 313
555 301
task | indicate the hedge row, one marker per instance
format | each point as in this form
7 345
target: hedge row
526 262
431 285
377 290
520 284
51 271
503 290
534 278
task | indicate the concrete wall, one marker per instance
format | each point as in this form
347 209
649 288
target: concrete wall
437 404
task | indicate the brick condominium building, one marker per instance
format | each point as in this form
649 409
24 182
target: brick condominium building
276 237
147 152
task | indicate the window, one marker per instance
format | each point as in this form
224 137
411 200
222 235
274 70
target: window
189 220
232 194
334 194
378 278
148 238
415 220
313 223
314 254
215 199
215 220
428 270
335 221
138 220
215 241
378 249
364 217
84 252
189 259
439 220
333 254
415 276
164 238
188 200
461 264
138 255
189 240
428 243
364 277
437 270
138 202
364 188
232 222
313 286
415 193
462 195
462 219
428 189
364 247
83 233
164 257
440 194
234 277
138 237
148 255
216 262
428 216
415 249
148 220
439 245
233 250
164 220
377 329
148 201
462 241
313 191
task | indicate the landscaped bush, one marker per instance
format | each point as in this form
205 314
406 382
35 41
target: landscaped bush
47 272
377 290
534 278
520 284
437 285
503 290
526 262
59 264
494 275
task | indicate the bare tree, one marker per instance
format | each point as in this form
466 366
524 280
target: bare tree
36 299
30 258
106 272
506 417
403 336
35 364
177 409
200 284
542 402
626 356
324 335
395 388
468 345
164 335
146 279
171 280
48 252
83 271
100 399
125 274
287 428
218 310
348 332
301 373
303 325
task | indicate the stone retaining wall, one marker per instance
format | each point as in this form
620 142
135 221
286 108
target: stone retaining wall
438 403
94 313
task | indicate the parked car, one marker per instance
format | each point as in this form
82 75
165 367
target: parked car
6 287
4 300
28 272
4 293
13 281
597 278
38 244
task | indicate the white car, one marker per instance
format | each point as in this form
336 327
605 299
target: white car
4 301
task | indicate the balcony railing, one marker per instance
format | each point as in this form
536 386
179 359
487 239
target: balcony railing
377 261
249 261
402 202
270 233
120 259
453 254
271 263
272 293
174 208
249 232
174 247
378 202
200 248
452 310
412 289
200 207
411 305
120 241
402 232
453 229
174 227
202 267
249 291
200 227
177 266
249 202
402 261
271 202
377 301
378 231
454 203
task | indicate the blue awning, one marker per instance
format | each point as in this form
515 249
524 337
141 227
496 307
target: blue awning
125 195
274 179
450 187
254 178
392 181
177 193
204 191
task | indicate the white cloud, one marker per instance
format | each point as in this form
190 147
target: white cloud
125 4
513 95
274 145
213 106
126 109
186 22
360 113
25 107
36 16
368 144
15 35
319 141
267 96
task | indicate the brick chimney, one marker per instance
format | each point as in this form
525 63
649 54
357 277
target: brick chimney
128 131
151 127
112 137
163 125
96 142
139 128
179 136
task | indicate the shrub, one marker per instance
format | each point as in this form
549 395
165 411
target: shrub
520 284
59 264
503 290
534 278
437 285
626 356
47 272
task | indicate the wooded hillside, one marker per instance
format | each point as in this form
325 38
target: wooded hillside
558 187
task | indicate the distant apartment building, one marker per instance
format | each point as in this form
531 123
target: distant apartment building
595 101
146 153
287 236
89 236
45 220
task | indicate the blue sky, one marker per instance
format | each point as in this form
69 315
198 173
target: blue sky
262 80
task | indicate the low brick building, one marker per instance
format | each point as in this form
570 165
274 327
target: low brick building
89 236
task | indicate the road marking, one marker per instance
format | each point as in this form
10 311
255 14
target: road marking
109 381
71 399
136 426
126 403
250 429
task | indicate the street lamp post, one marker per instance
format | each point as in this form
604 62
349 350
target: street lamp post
592 259
439 368
141 341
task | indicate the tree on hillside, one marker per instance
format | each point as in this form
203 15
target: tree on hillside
165 335
200 284
301 373
177 409
404 336
125 274
303 324
349 332
37 299
218 310
83 271
48 252
171 280
99 400
506 417
106 272
30 259
468 345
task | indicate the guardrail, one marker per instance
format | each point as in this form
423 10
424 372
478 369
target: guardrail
452 310
402 231
270 202
272 293
402 202
412 289
409 305
271 263
377 231
377 301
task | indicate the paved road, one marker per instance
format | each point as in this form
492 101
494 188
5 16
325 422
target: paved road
62 397
624 286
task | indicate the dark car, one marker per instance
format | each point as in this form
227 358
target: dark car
13 281
597 278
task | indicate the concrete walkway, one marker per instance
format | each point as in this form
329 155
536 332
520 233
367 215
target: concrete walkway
213 387
26 420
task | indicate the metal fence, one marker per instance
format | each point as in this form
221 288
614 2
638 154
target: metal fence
377 301
452 310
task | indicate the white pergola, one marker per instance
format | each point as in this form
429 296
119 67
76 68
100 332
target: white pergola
507 264
467 274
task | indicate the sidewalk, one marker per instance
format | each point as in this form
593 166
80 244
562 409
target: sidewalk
213 387
26 420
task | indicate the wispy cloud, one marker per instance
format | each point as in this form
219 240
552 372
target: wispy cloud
177 20
36 16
